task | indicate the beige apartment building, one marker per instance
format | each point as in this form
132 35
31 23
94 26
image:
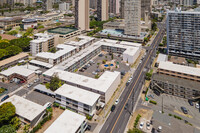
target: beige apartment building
102 10
82 14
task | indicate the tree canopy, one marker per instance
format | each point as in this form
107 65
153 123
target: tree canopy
13 50
7 129
7 112
55 83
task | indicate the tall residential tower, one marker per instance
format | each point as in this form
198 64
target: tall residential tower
183 34
102 10
132 15
82 14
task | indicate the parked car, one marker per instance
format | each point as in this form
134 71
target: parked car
100 55
141 125
82 70
47 105
112 108
197 105
22 81
128 82
159 129
94 73
190 102
184 110
148 125
29 85
4 98
117 101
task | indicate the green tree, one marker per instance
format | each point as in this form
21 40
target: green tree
23 43
15 122
3 53
13 32
4 44
7 112
53 50
7 129
145 39
108 35
0 37
13 50
148 76
154 26
55 83
29 32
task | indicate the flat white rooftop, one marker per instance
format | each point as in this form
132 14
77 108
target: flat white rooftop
65 49
67 122
18 70
41 63
25 108
83 40
130 49
78 94
179 68
162 57
101 84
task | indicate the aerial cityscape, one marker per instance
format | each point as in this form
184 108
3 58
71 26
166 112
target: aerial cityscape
99 66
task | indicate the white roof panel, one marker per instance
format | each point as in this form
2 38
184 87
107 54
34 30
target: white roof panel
179 68
25 108
78 94
67 122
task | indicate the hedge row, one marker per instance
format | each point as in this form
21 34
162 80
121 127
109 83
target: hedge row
137 120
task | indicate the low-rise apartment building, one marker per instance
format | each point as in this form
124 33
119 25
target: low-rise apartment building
68 122
180 71
63 52
77 99
130 52
178 80
13 60
20 72
27 111
105 85
10 22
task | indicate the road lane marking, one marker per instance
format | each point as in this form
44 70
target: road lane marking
133 87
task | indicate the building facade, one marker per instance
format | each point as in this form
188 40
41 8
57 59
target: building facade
102 10
77 99
183 33
42 43
176 86
146 6
82 14
10 22
132 15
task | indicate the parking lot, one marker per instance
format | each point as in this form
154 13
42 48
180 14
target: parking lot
172 105
97 67
39 98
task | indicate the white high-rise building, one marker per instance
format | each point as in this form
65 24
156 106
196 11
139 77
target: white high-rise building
132 15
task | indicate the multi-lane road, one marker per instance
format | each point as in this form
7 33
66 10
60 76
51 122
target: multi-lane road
117 120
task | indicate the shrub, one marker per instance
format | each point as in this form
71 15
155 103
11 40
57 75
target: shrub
56 104
63 108
170 114
153 102
89 117
177 117
137 120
